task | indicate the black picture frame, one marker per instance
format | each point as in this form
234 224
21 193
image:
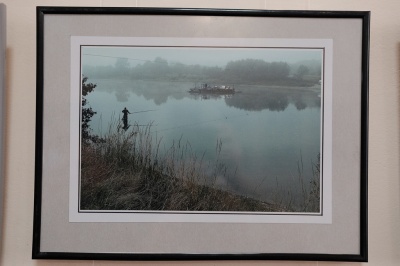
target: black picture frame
47 153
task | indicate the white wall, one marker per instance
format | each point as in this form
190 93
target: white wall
384 171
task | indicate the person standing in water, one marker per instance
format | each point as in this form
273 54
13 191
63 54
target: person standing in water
125 117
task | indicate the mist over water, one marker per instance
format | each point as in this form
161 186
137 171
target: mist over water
266 132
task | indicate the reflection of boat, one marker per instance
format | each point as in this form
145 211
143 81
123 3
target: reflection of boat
213 89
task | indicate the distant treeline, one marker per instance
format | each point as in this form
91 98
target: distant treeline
246 71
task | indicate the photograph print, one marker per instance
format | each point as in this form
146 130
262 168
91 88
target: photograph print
201 129
203 141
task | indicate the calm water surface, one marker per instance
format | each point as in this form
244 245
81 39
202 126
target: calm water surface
266 133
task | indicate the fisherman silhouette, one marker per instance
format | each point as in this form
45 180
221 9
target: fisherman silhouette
125 118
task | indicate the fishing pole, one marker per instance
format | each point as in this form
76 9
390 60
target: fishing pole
143 111
142 125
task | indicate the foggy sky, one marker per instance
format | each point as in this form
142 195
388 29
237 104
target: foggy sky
103 56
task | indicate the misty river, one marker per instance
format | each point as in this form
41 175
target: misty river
267 133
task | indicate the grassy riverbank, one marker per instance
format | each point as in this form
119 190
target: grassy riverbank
126 171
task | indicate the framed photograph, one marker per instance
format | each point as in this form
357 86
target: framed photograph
201 134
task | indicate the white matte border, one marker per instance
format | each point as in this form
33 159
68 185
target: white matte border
131 216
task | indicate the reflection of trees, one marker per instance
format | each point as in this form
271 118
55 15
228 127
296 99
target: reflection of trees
158 96
277 102
300 105
274 101
257 98
299 102
202 96
317 101
158 92
250 98
122 96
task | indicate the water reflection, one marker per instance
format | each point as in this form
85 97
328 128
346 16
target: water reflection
122 96
210 96
265 132
249 98
273 101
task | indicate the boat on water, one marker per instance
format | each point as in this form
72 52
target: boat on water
205 88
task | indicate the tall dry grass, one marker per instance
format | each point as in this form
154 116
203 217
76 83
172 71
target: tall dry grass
127 171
